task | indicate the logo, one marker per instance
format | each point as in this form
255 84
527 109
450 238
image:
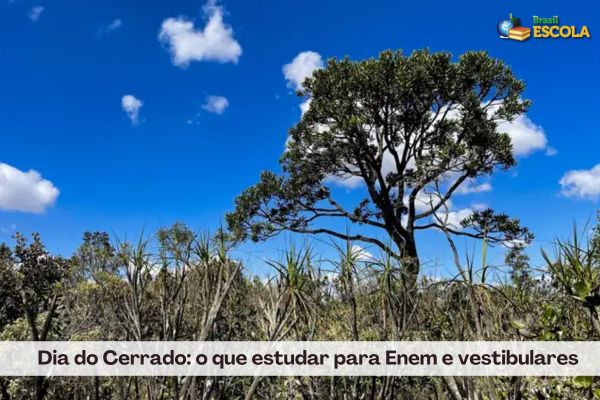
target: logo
542 28
512 29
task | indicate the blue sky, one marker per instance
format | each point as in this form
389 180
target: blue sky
208 113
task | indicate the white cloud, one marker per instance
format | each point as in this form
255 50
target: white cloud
25 191
582 183
526 136
452 219
36 13
214 43
361 254
301 67
349 182
470 186
113 26
215 104
131 105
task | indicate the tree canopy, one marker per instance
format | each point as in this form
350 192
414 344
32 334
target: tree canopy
410 131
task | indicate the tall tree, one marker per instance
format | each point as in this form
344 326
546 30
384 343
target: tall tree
409 131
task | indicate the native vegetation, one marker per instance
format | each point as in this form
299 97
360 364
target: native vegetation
180 285
409 131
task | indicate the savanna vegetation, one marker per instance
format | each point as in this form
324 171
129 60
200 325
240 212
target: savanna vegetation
408 132
183 286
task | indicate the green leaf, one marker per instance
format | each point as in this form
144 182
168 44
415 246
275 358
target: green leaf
549 312
582 289
583 382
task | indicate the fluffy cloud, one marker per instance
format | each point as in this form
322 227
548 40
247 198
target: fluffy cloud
131 105
582 183
36 13
214 43
25 191
526 136
215 104
301 67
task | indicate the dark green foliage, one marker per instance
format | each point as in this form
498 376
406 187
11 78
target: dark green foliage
401 127
37 271
497 228
10 304
518 261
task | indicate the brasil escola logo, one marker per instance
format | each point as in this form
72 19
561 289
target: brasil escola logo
543 28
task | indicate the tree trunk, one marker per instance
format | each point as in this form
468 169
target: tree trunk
411 266
410 262
40 388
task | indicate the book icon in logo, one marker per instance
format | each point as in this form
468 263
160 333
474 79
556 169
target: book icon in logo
519 33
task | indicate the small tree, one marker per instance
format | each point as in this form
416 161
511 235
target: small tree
38 276
518 261
410 131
